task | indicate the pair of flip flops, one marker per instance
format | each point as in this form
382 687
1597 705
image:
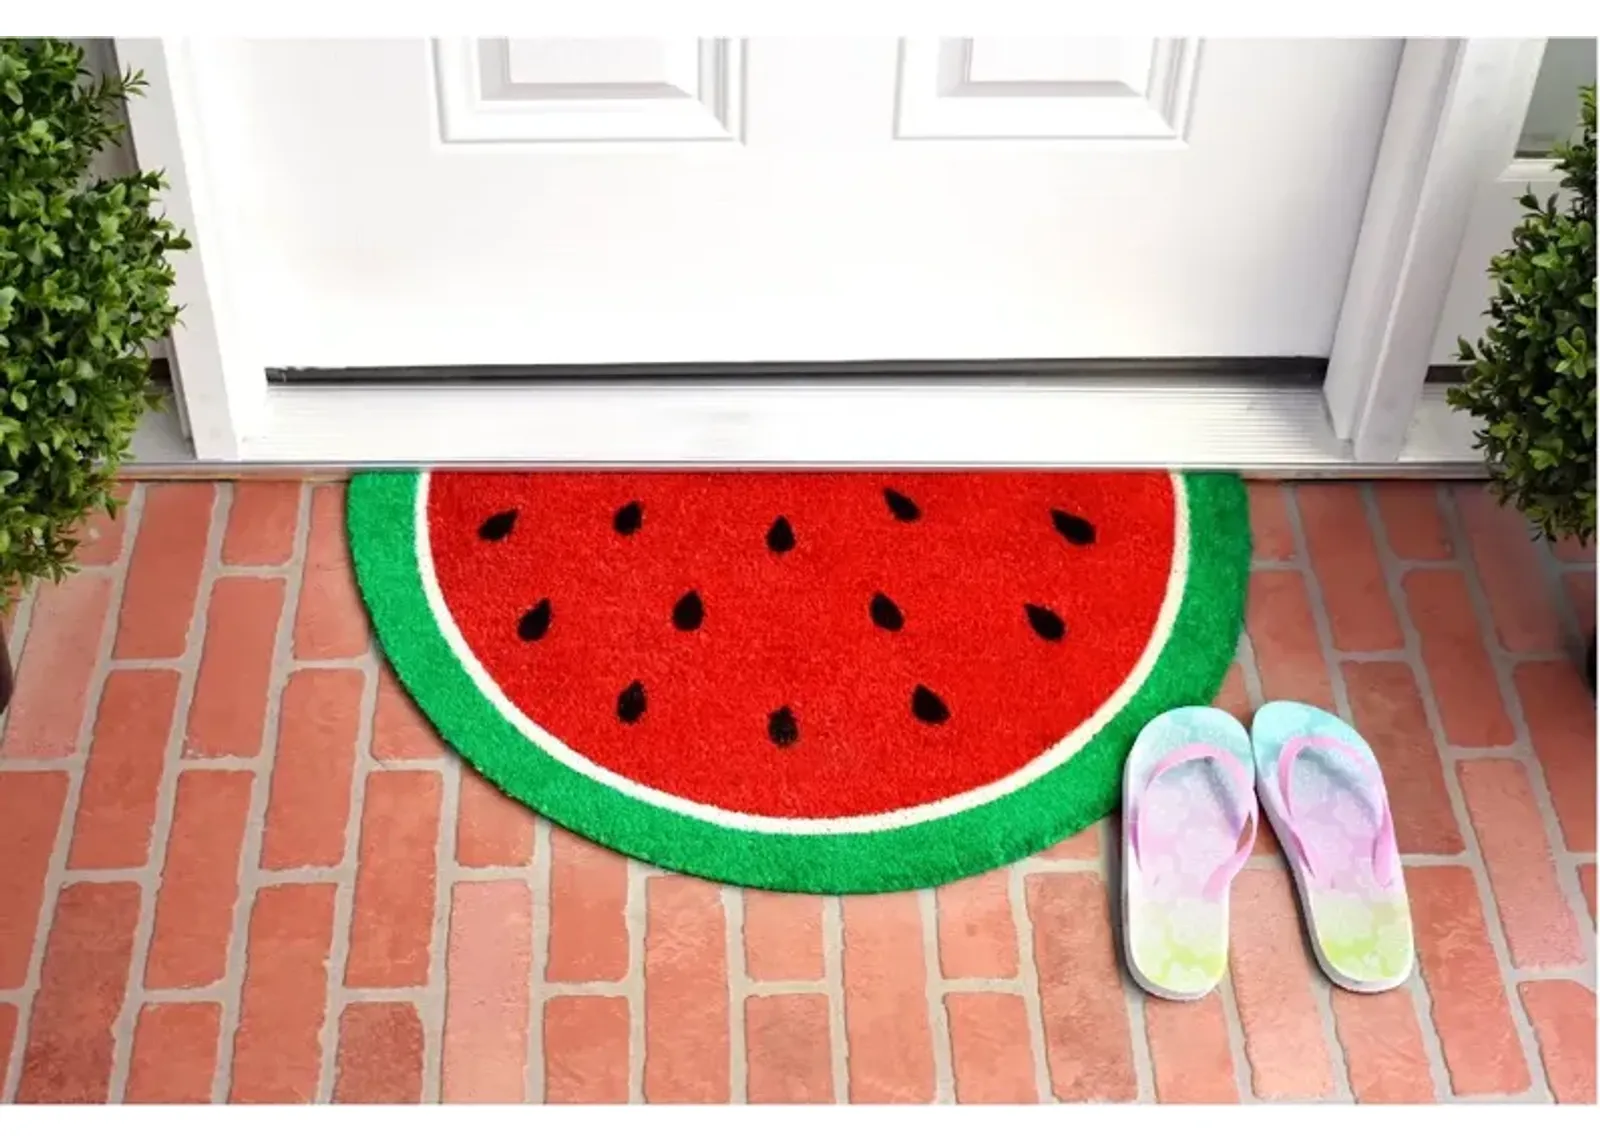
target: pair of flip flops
1189 816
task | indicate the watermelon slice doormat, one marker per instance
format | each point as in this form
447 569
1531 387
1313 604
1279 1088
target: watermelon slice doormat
830 682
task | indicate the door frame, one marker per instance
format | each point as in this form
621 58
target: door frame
1453 119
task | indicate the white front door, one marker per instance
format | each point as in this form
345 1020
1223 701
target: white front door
523 201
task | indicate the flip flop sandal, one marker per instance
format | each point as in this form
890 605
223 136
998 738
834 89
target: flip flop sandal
1324 794
1188 825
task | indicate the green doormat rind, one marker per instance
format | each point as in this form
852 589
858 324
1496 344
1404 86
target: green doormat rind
1189 671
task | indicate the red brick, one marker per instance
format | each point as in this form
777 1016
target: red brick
782 936
1569 550
380 1054
1387 710
685 992
117 806
229 711
1562 1014
1412 521
1345 557
1464 683
8 1036
164 572
1470 1009
977 935
1559 708
30 820
261 523
1540 929
1383 1047
491 829
174 1053
588 906
200 881
54 669
277 1051
1189 1050
311 774
1586 881
486 993
990 1052
331 622
400 732
1507 559
1284 638
1271 533
392 927
1272 975
1580 591
586 1049
1086 1034
885 1001
100 537
787 1051
85 977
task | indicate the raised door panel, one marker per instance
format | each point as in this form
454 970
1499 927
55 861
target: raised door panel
1061 88
602 90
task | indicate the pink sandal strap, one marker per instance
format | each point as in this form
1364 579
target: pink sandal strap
1383 844
1223 875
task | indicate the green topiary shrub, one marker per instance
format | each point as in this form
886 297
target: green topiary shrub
1531 376
84 284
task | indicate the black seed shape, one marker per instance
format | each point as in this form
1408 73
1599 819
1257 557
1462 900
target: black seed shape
780 537
498 526
630 703
901 506
885 614
1074 529
688 612
927 706
1046 623
628 518
534 622
782 728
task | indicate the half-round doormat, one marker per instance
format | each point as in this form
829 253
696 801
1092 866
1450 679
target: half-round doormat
829 682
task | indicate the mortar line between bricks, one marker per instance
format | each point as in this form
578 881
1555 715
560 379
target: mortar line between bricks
1028 973
1520 750
968 985
1553 574
250 878
1411 641
55 873
537 874
1534 772
759 988
833 985
1320 985
635 915
432 1001
345 875
938 1024
738 986
167 792
1243 1075
1133 996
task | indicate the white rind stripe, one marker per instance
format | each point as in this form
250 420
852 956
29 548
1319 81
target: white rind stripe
868 823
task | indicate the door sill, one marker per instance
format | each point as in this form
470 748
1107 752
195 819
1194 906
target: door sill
1239 424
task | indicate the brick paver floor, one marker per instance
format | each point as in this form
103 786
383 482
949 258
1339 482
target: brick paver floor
236 865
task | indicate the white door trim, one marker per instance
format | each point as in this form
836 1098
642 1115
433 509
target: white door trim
1457 109
1455 101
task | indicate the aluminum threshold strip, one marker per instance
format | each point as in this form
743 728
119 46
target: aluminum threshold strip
1240 425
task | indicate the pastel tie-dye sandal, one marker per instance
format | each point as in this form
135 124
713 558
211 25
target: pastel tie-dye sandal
1188 825
1324 794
